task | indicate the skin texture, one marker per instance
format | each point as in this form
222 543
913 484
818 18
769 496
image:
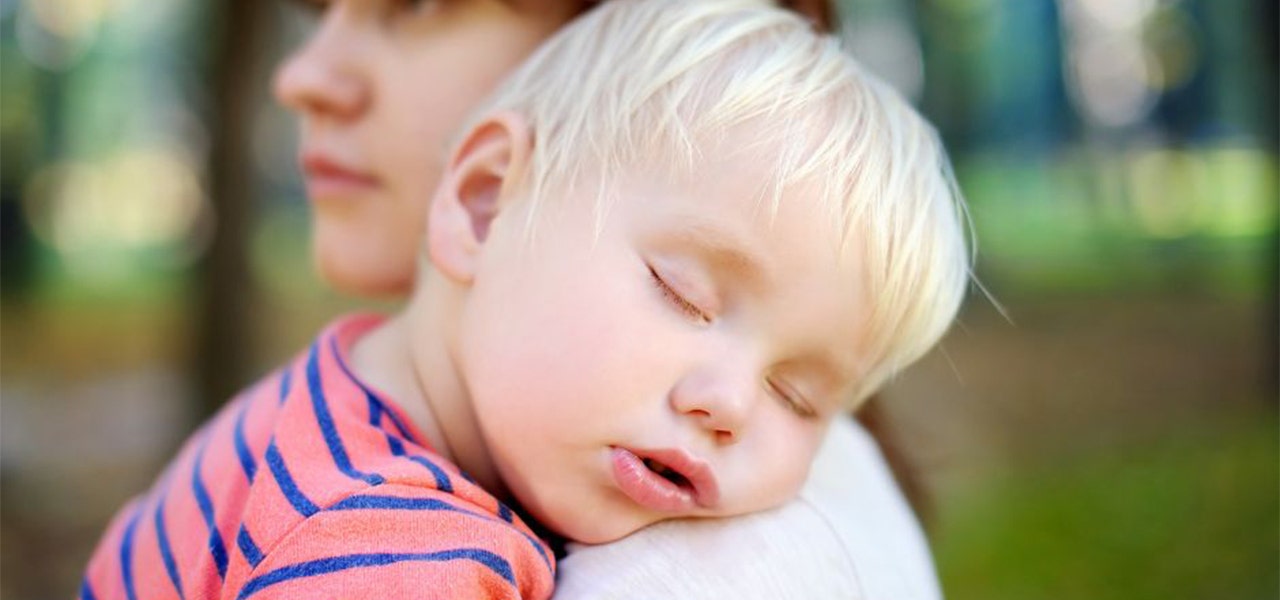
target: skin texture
639 335
379 87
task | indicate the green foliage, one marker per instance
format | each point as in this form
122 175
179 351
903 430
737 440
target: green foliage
1193 514
1148 219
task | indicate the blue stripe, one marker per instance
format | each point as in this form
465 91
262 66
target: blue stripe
300 502
400 427
86 590
442 479
373 398
443 483
396 503
334 564
247 547
394 443
166 552
377 410
286 383
247 461
504 513
216 547
126 554
369 502
325 420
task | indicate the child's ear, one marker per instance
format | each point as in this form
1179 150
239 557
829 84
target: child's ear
475 185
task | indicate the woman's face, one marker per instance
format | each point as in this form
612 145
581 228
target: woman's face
379 87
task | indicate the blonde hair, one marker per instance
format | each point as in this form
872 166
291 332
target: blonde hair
634 81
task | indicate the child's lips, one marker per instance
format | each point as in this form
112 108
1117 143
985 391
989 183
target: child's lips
653 491
326 176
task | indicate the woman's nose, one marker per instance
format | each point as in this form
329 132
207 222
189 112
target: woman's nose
720 401
324 77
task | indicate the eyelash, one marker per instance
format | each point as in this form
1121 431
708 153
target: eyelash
796 406
691 310
684 306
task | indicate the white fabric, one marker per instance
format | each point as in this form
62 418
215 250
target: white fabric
849 535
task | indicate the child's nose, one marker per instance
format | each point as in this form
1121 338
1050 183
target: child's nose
323 77
719 400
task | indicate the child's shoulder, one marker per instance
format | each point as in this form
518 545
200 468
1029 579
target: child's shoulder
326 432
344 476
416 533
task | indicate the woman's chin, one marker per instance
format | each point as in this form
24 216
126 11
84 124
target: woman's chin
357 275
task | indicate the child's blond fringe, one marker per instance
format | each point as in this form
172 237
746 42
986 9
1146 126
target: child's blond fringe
644 81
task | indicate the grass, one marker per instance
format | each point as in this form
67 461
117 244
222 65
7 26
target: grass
1193 514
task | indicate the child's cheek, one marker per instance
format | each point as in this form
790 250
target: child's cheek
565 336
591 352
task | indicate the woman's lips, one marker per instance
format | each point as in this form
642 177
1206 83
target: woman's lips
326 177
658 493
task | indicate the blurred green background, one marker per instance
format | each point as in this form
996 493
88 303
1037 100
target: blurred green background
1106 428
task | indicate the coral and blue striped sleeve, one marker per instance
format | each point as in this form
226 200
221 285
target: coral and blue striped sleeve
313 485
378 544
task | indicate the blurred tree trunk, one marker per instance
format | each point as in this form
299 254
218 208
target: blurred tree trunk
1269 22
224 291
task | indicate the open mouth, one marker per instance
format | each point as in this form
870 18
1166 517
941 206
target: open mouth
664 479
668 473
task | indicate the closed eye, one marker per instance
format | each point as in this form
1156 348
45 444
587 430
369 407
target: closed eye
790 399
689 309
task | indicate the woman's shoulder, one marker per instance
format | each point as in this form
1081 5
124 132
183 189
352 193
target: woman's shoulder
852 490
850 534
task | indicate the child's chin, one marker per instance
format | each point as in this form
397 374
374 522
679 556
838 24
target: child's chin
597 533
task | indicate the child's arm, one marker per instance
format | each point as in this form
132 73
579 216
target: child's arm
399 542
849 535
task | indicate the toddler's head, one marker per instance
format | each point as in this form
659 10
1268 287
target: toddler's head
665 254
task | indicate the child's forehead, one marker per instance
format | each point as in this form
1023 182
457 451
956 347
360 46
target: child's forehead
735 218
735 187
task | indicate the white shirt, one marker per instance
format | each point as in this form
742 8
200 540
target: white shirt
850 534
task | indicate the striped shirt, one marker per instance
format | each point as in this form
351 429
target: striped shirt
312 485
